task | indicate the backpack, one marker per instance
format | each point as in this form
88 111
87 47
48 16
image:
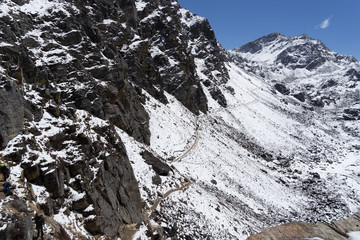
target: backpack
7 189
6 170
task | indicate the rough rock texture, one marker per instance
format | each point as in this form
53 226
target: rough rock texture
257 45
66 64
11 111
310 53
176 39
282 88
159 166
110 194
119 204
335 230
102 57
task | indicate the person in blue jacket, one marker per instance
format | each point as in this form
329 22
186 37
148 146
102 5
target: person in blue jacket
7 189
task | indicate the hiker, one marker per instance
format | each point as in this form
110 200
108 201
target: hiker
7 189
39 222
5 170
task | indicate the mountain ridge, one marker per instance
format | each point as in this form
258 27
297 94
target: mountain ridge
257 45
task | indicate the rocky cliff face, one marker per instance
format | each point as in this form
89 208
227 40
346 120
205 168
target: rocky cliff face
65 64
12 111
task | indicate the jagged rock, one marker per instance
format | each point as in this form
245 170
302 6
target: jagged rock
300 96
12 111
218 96
282 88
329 83
159 166
156 179
19 205
106 58
351 114
30 42
353 74
115 197
80 205
32 173
32 112
20 2
54 182
71 38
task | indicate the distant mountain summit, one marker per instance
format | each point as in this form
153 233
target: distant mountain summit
304 68
292 52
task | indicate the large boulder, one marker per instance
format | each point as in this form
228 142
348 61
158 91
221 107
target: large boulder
299 230
159 166
115 197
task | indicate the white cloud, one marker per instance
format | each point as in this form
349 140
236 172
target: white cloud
325 23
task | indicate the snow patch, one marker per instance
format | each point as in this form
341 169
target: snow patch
354 235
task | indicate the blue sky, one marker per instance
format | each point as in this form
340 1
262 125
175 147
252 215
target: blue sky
236 22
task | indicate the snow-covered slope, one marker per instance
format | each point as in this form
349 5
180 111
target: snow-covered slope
257 163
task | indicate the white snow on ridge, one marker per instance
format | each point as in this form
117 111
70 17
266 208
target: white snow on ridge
140 5
188 18
39 7
155 13
41 194
108 21
354 235
5 8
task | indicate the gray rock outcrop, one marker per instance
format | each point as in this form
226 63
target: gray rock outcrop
11 111
335 230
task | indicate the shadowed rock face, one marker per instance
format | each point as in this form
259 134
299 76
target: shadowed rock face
103 57
100 185
21 221
77 62
159 166
11 111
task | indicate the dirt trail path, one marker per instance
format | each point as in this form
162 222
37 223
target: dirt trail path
2 195
184 185
192 146
130 230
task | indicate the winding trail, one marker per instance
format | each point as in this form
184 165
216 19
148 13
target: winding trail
131 229
2 195
192 146
184 185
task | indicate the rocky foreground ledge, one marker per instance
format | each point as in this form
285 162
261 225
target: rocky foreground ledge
329 231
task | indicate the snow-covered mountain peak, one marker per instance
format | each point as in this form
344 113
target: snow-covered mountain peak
304 68
262 49
291 52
